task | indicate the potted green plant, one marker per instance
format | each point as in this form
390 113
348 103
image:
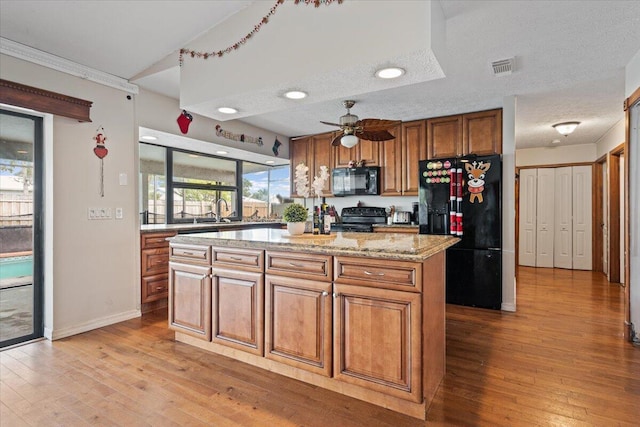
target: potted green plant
295 215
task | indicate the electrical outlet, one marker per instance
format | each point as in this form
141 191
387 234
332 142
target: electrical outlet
119 213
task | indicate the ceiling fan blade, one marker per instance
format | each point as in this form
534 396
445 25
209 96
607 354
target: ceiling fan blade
380 135
377 124
330 124
336 140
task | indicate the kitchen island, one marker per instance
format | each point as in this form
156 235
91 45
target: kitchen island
362 314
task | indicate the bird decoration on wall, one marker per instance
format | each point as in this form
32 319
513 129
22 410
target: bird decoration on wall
101 152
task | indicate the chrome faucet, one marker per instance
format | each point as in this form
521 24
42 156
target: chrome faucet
218 210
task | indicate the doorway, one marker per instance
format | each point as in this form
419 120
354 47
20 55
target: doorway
21 201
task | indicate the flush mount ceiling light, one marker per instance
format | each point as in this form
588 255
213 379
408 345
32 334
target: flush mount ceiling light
222 152
227 110
555 141
349 141
269 162
389 73
566 128
148 138
295 94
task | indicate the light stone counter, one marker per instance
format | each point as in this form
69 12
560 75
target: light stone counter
394 246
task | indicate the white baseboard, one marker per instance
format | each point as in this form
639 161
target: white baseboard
93 324
507 306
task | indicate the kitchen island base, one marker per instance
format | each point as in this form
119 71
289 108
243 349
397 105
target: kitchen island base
370 327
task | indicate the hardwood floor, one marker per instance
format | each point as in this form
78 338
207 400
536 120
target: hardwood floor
560 360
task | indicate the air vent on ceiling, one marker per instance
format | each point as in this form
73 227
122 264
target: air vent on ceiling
503 67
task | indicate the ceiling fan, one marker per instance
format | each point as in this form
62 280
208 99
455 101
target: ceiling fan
354 128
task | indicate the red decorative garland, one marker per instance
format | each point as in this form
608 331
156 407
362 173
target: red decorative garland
256 28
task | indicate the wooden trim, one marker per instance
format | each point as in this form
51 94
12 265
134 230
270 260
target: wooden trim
629 103
517 218
555 165
597 223
614 217
632 99
45 101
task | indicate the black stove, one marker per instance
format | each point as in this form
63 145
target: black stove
360 219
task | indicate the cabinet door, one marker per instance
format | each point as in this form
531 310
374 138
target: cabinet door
444 137
414 149
321 156
343 155
300 152
369 152
482 132
391 167
190 300
377 340
298 323
154 261
238 315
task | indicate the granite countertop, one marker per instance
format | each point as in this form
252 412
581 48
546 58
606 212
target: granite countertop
412 226
203 226
396 246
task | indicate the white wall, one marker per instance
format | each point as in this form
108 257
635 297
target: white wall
556 155
509 156
95 278
610 140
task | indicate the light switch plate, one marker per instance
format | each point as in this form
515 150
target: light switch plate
122 178
118 213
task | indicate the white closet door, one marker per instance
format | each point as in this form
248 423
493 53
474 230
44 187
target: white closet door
563 246
527 244
545 218
582 218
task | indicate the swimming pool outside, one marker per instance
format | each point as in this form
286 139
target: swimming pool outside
12 267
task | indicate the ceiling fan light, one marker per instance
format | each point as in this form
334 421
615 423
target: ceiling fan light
389 73
349 141
566 128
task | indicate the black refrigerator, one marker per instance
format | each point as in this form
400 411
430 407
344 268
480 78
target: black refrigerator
462 196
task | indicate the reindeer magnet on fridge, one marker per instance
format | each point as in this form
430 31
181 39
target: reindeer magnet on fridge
476 172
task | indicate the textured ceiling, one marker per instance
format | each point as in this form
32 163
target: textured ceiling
570 57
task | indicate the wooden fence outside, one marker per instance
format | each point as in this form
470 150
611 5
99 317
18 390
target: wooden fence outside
16 209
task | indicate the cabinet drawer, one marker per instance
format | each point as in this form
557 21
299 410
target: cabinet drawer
304 266
191 253
155 287
155 240
243 259
154 261
380 273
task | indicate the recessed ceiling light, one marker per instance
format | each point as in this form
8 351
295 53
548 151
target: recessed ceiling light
193 155
389 73
227 110
21 152
555 141
222 152
295 94
269 162
148 138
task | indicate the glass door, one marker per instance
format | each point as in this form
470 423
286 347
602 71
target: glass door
21 195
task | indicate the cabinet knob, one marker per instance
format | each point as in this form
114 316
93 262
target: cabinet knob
293 264
336 295
159 288
325 293
236 258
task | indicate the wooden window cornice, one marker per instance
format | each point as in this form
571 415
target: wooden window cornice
45 101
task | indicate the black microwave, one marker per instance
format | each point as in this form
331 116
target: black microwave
356 181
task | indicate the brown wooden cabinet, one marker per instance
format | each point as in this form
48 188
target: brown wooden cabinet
444 137
482 132
154 270
472 133
377 340
238 310
399 159
190 300
365 151
314 151
298 323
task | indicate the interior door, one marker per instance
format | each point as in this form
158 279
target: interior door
582 218
545 218
605 219
622 223
563 245
528 198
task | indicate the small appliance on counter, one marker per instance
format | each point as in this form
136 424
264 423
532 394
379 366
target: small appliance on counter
360 219
402 217
462 197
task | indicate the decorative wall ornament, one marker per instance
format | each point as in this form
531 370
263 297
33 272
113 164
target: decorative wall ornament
239 136
276 146
256 28
184 120
101 152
